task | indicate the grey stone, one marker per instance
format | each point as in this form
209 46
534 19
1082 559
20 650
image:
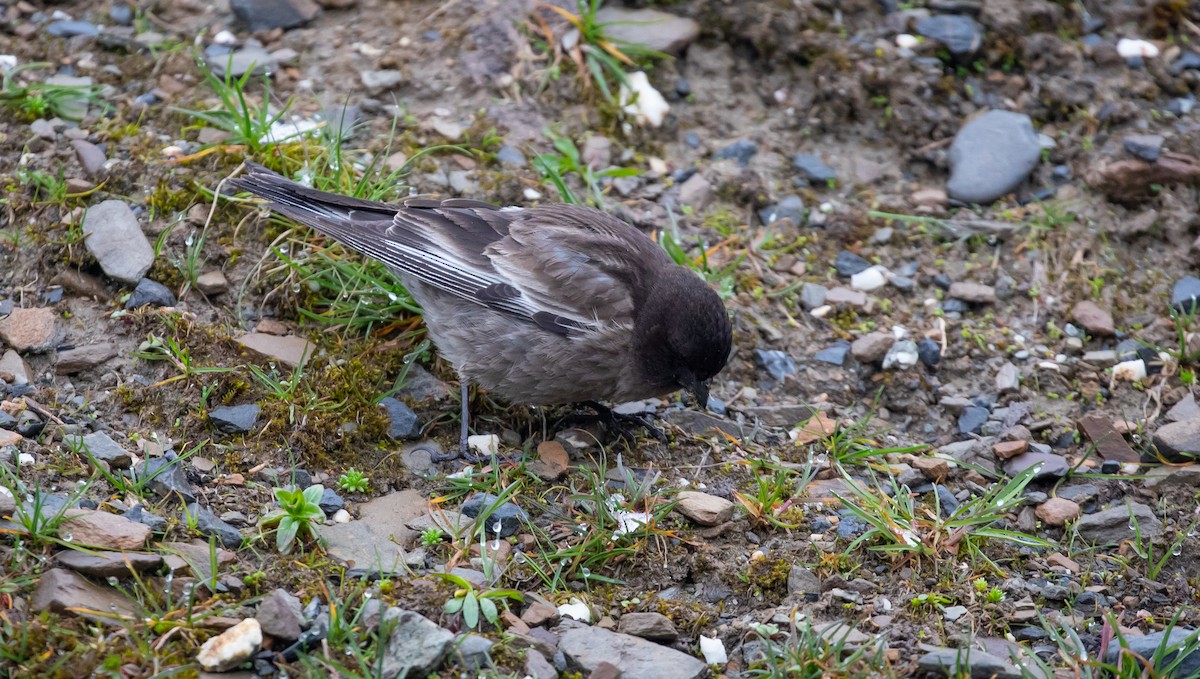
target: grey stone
1008 378
139 513
115 239
108 564
952 662
511 156
403 423
165 478
473 651
264 15
1051 466
102 447
847 263
813 168
378 82
1185 409
90 157
416 645
250 59
741 151
695 191
68 593
812 296
235 419
1144 146
648 625
331 502
150 293
960 34
1180 438
1185 293
971 420
281 615
790 208
373 545
587 647
777 363
1113 525
210 524
1177 640
78 359
802 581
991 156
510 517
834 355
70 28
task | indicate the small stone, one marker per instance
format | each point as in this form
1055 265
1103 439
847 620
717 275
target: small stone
696 192
971 420
868 279
652 626
264 15
975 293
1114 525
872 347
1130 371
150 293
953 662
960 34
1185 409
68 593
232 647
847 263
101 529
290 350
741 151
138 513
840 296
212 283
509 516
929 197
991 155
1179 438
235 419
552 462
208 523
69 28
1007 449
1058 512
91 158
378 82
777 363
812 296
416 645
403 423
108 564
114 238
1008 378
1050 466
31 330
704 509
86 357
1095 320
511 156
280 615
814 169
790 208
935 468
166 478
929 352
834 355
103 448
1144 146
588 647
1109 443
802 581
1184 295
473 651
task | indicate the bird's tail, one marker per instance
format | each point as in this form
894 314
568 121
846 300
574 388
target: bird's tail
332 214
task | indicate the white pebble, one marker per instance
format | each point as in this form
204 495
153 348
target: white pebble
576 609
906 41
1130 371
821 311
25 460
1135 47
7 62
657 165
484 444
232 647
649 106
172 152
532 194
224 38
341 516
713 650
868 279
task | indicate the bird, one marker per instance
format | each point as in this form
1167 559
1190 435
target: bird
546 305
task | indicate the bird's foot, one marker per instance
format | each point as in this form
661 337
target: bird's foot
621 424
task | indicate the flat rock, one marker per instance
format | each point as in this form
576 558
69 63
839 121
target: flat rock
1177 640
872 347
416 645
403 423
1109 443
552 462
238 419
378 82
587 647
652 626
101 529
991 156
86 357
1185 409
208 523
150 293
975 293
113 236
650 28
281 615
373 543
31 330
13 368
290 350
1095 320
264 15
165 478
1179 438
960 34
108 564
212 283
840 296
1051 466
1058 512
1112 525
68 593
510 517
103 447
703 509
952 662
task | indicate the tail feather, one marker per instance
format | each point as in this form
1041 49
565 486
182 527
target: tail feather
285 193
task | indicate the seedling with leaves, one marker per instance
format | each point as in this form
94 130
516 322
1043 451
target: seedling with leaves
35 100
298 515
566 160
472 604
353 481
248 124
722 278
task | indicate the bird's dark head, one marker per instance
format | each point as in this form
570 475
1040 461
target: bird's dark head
682 334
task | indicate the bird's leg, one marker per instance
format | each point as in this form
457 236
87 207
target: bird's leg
618 423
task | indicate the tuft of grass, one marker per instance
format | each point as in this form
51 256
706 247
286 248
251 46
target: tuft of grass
566 160
808 652
248 124
33 100
721 278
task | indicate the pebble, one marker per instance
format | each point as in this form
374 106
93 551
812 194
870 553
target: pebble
108 564
232 647
802 581
115 239
510 517
511 156
1134 48
378 82
975 293
68 28
403 423
991 156
1180 438
1057 511
33 330
868 279
971 420
954 662
212 283
106 531
1095 320
139 513
814 169
281 615
741 151
777 363
790 208
1050 466
104 448
929 352
1144 146
696 191
649 28
847 263
150 293
1008 378
587 647
834 355
1130 371
812 296
68 593
703 509
264 15
91 158
1113 525
552 462
872 347
840 296
238 419
167 478
652 626
86 357
902 355
1185 295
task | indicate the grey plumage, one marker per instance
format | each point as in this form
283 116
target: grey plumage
546 305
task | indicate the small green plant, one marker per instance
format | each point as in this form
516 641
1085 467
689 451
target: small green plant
431 536
929 600
473 604
556 167
1143 546
39 99
808 652
774 485
168 349
353 481
298 515
248 124
722 279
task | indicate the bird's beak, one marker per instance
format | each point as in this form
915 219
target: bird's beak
699 390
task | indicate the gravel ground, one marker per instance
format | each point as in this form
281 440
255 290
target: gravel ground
957 435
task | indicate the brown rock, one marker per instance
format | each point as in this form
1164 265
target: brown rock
539 614
108 564
212 283
975 293
1094 319
9 438
1057 512
101 529
872 347
82 358
552 461
1007 449
13 368
935 468
1110 445
649 625
1057 559
929 197
80 284
63 591
33 330
704 509
1132 181
288 349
